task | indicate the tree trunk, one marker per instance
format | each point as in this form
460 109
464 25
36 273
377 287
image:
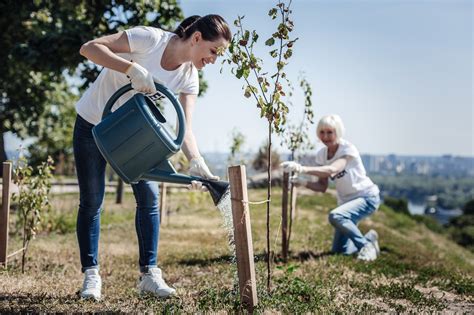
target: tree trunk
119 197
269 194
3 153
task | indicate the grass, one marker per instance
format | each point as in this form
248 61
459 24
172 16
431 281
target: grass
419 270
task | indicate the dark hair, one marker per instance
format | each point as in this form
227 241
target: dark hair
211 26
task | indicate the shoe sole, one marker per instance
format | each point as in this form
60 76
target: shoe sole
91 297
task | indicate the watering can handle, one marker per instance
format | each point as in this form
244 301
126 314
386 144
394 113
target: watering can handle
163 90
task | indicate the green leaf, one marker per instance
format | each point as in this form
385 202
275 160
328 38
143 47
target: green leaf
273 13
270 41
239 73
254 36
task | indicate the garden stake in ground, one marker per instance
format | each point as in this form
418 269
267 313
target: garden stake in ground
4 215
284 216
243 236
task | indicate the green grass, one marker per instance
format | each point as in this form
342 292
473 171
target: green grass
418 270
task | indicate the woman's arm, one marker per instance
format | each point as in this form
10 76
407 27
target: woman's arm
321 185
103 51
189 147
326 170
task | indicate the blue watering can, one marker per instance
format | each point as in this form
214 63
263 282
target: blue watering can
136 144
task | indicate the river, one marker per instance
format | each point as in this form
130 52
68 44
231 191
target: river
443 216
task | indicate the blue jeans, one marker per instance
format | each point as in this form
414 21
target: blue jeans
347 237
90 168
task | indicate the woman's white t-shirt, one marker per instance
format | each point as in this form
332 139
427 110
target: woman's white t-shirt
147 45
352 182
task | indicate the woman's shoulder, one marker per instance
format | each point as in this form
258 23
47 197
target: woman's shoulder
149 32
347 148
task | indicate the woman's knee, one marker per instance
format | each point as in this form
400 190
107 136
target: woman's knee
89 209
335 218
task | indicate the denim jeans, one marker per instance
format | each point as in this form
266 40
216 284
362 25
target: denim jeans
348 239
90 168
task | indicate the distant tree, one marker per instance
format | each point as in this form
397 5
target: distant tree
260 163
461 228
399 205
40 41
469 208
237 141
55 128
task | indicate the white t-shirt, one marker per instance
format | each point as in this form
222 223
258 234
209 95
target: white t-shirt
147 45
352 182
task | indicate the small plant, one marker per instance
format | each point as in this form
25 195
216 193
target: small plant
32 198
296 139
266 89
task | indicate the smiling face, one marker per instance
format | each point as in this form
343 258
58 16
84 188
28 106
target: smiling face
204 52
328 136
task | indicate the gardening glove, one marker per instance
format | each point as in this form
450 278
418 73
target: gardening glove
141 79
298 181
197 186
291 166
199 168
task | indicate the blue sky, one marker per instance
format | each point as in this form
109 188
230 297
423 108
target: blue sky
399 73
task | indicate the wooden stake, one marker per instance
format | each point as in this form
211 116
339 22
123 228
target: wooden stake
294 193
243 237
7 177
119 197
284 216
163 210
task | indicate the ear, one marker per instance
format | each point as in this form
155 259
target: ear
196 37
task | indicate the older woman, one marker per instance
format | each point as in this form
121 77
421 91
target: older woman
358 197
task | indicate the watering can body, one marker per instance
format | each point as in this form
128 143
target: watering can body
135 142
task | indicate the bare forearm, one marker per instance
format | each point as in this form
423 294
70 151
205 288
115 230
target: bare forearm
317 186
320 171
190 148
102 55
326 171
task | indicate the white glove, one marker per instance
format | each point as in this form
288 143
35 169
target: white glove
298 181
291 166
197 186
142 80
199 168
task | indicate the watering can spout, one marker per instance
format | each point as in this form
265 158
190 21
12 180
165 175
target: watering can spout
165 172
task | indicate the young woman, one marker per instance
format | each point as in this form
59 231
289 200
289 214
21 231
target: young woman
358 196
140 55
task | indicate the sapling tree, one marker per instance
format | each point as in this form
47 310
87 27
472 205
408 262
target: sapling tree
267 89
32 198
296 139
237 141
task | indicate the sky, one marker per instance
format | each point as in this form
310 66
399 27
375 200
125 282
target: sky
399 73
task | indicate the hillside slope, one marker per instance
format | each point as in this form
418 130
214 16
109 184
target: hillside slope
418 270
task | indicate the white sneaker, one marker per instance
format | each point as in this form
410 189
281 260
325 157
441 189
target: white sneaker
373 237
152 282
91 288
368 252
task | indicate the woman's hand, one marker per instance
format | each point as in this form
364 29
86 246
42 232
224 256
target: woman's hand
298 181
291 166
142 80
199 168
197 186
